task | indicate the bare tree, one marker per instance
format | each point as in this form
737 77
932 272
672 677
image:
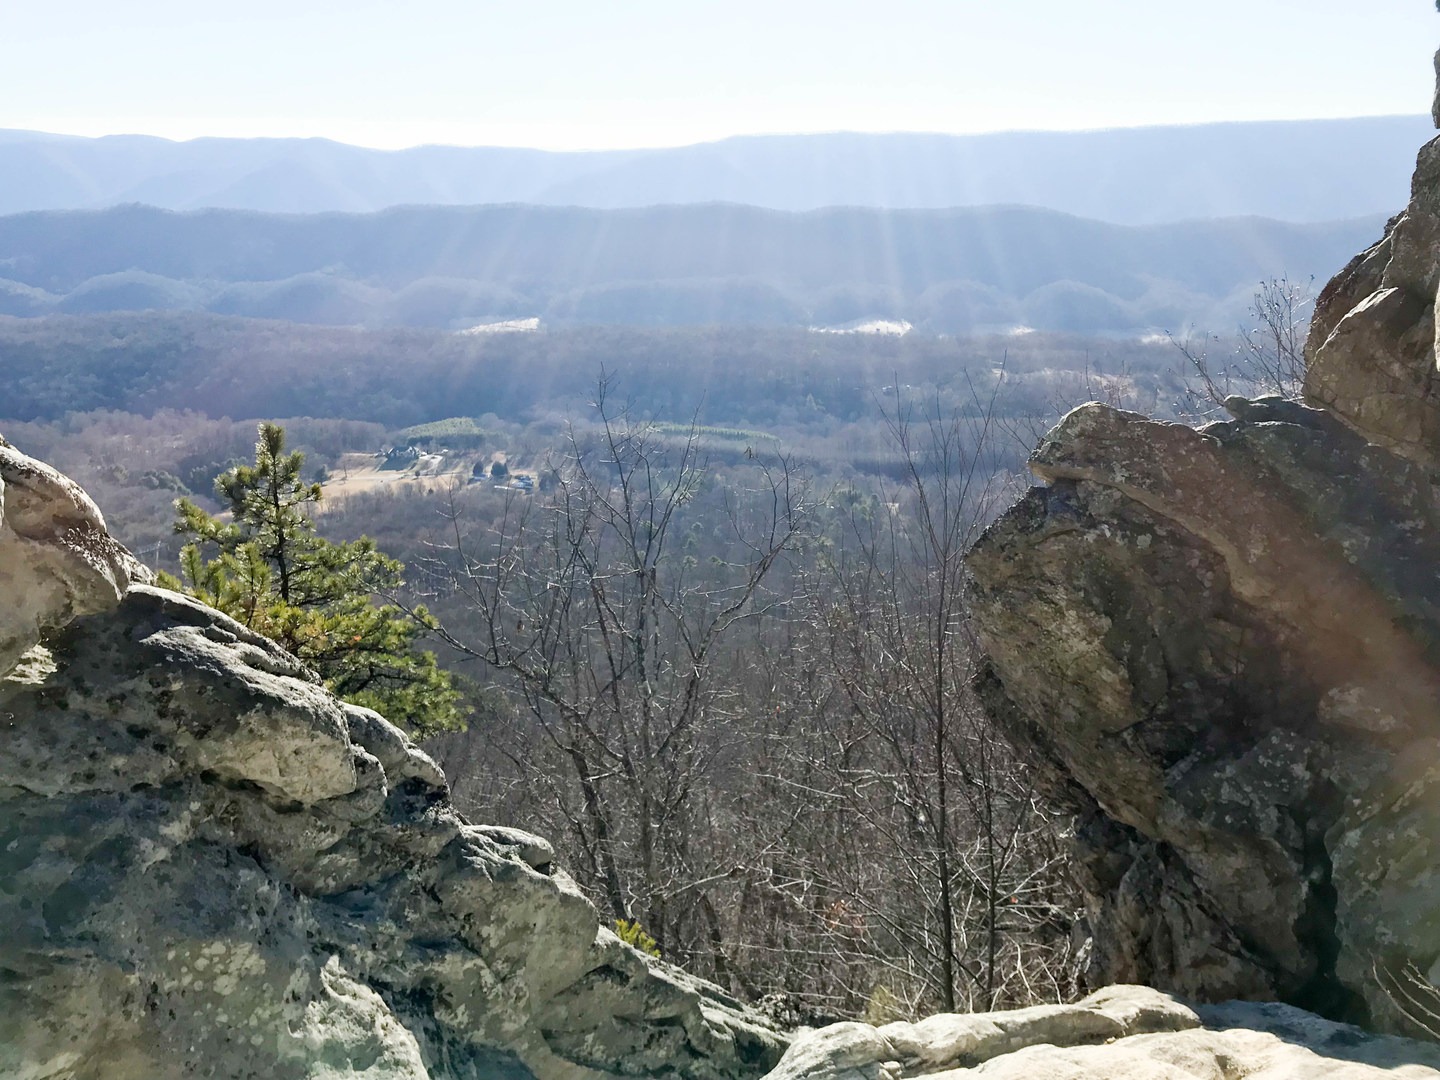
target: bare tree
964 802
1269 357
1413 996
592 608
746 719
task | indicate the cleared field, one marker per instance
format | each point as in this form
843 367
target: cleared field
364 473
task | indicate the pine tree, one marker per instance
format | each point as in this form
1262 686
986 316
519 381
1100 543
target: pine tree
271 571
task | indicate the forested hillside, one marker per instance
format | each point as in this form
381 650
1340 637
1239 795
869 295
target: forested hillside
701 581
828 606
946 271
748 377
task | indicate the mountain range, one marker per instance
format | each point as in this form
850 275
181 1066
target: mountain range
957 270
1299 171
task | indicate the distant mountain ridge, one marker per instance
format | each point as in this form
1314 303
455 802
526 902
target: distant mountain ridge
1300 171
946 271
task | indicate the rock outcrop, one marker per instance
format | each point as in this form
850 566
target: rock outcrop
1222 648
1371 350
209 866
61 560
1120 1033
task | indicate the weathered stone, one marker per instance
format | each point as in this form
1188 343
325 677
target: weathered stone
1223 647
1435 102
1119 1033
401 759
56 559
1371 352
209 866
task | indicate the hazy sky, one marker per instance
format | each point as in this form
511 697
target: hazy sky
566 74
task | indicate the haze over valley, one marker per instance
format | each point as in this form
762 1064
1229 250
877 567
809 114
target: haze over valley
1134 230
944 271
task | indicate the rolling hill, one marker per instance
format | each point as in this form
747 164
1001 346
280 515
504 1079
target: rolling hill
946 271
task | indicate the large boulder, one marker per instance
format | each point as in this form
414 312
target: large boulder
1120 1033
1222 649
209 866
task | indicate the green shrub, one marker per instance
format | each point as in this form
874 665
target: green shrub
634 935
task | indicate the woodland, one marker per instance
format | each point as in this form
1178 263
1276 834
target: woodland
719 653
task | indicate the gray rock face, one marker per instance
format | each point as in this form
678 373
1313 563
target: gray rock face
1119 1033
209 866
1224 647
1371 353
56 559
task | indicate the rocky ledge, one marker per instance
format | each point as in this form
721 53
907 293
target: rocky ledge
210 866
1120 1033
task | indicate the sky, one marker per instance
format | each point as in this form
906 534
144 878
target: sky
569 75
